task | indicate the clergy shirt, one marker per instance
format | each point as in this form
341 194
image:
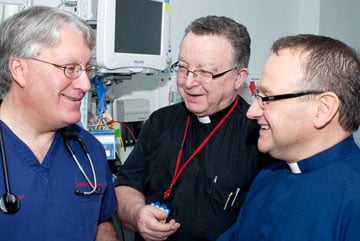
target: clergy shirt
322 202
228 162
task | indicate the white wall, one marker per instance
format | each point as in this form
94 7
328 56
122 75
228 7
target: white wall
340 19
266 21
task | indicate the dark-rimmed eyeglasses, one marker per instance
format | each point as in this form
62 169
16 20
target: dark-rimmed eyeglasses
261 100
73 71
201 75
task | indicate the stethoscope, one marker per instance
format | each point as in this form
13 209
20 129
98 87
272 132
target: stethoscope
10 203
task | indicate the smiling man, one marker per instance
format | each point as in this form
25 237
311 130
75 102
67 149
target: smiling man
307 106
54 188
200 156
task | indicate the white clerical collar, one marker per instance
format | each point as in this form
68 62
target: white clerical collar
204 119
294 167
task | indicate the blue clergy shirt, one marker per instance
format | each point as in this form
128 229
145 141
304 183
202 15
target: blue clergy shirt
319 200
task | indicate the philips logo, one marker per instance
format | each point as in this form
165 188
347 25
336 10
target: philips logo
139 62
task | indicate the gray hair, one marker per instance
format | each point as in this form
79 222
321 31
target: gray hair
329 65
24 34
236 33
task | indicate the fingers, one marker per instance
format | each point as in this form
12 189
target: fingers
160 231
151 224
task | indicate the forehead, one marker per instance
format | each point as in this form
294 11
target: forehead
282 71
71 47
205 49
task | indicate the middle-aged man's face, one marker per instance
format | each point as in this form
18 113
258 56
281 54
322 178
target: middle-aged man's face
52 96
286 124
211 53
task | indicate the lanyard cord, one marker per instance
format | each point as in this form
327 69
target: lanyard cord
178 172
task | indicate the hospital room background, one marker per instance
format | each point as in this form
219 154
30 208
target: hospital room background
125 93
131 85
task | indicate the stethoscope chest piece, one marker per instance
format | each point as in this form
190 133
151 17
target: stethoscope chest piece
9 203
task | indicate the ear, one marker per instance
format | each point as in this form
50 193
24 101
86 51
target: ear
327 110
18 68
242 74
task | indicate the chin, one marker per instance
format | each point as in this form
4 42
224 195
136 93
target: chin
196 109
263 146
72 119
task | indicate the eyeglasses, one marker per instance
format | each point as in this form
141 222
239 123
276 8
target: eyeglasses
201 75
73 71
263 99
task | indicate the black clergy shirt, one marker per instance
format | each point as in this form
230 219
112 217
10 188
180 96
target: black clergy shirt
228 162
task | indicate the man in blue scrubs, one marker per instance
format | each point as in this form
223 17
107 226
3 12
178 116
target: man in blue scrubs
48 192
307 106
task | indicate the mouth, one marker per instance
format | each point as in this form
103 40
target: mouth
193 98
264 127
193 95
73 98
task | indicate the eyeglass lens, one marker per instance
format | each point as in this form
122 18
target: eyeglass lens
201 75
74 71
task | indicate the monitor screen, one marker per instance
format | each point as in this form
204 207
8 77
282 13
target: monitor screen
133 34
138 29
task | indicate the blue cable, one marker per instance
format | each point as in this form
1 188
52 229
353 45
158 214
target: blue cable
101 90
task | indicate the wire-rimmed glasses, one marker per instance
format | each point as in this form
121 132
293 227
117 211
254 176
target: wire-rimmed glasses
72 71
201 75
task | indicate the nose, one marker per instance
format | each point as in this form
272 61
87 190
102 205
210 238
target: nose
255 111
83 82
191 79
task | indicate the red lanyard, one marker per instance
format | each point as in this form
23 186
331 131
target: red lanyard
178 172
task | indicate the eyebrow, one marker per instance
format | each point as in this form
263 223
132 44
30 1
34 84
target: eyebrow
209 67
263 89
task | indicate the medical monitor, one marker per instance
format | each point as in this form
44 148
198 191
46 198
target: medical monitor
133 35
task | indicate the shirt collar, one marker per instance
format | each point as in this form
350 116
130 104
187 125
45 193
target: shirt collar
294 167
323 158
214 118
204 119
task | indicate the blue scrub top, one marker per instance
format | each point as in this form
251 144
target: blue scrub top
50 210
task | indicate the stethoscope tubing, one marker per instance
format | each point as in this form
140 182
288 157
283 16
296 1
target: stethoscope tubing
10 203
93 185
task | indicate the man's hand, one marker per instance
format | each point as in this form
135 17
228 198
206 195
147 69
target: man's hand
150 222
